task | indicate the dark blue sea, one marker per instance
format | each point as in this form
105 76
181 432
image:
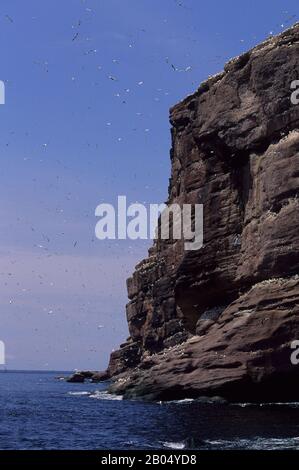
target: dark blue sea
37 411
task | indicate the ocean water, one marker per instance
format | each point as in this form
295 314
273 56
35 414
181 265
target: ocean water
39 412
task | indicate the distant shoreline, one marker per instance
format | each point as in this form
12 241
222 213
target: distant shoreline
35 371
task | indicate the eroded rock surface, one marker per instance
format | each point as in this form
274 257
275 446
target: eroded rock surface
220 320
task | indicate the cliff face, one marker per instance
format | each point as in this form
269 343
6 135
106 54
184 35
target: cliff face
220 320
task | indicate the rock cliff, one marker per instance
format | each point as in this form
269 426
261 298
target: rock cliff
220 320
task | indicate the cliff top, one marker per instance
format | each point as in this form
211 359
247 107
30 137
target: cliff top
289 36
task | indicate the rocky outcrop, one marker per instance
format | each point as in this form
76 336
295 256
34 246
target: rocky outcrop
220 320
76 378
92 376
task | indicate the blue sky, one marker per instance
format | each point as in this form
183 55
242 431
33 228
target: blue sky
88 89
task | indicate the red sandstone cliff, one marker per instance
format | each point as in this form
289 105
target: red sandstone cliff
220 320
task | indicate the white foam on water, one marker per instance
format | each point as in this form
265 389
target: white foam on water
292 404
174 445
184 401
256 443
79 393
98 395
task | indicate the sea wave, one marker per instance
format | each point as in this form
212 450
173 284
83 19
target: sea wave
292 404
201 400
103 395
184 401
174 445
79 393
256 443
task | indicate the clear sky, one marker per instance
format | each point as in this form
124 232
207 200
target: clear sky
88 89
